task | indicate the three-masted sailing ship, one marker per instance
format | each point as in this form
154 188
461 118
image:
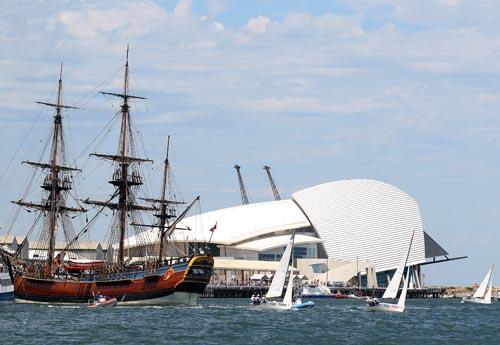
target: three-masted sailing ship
51 278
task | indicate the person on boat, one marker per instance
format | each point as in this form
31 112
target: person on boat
99 297
252 299
373 301
263 300
257 300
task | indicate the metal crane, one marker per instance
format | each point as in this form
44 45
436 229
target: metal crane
273 185
244 196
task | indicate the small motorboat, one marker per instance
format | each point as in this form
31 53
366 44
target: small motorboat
356 296
313 291
339 295
298 304
101 301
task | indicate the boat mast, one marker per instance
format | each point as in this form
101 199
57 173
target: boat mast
122 180
123 186
57 182
54 193
166 208
163 212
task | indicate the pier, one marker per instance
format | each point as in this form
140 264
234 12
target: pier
236 291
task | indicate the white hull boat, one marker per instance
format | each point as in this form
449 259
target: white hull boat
392 290
483 293
278 282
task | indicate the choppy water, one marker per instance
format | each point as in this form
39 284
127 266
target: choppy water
233 321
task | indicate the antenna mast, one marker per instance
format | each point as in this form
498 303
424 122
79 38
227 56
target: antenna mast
271 181
244 196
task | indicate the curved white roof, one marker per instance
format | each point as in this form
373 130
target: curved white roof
238 224
273 242
241 223
365 219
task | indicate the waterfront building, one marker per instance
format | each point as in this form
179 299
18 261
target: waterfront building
353 230
37 250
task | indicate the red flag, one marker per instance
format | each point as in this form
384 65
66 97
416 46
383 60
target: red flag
212 229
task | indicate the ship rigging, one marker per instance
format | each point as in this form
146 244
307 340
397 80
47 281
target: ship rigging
159 280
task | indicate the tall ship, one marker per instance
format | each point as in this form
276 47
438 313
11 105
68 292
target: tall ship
54 273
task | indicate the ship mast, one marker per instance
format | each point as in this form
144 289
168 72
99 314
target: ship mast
57 181
163 217
166 208
123 185
123 180
54 193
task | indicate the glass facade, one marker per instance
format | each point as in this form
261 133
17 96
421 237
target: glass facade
269 257
383 278
298 253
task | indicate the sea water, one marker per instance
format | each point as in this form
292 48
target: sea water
234 321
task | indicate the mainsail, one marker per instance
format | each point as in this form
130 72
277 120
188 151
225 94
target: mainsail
289 290
484 290
276 288
402 298
392 289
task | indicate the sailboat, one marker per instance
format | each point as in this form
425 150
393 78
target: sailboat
392 290
278 282
483 293
48 277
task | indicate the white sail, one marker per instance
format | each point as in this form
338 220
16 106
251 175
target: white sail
402 298
481 291
276 288
392 289
289 290
487 296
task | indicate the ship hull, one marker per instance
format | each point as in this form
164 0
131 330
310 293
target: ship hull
180 283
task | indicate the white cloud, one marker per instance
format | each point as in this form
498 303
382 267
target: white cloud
313 105
305 23
215 7
218 27
202 44
171 118
257 25
489 97
183 9
450 3
131 18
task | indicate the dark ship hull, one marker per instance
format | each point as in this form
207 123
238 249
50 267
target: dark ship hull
179 283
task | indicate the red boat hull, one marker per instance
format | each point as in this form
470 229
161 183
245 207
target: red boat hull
190 277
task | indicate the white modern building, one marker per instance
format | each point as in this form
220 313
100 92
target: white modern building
361 225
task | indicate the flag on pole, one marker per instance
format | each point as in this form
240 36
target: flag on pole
212 229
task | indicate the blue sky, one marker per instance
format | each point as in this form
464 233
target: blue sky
404 92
